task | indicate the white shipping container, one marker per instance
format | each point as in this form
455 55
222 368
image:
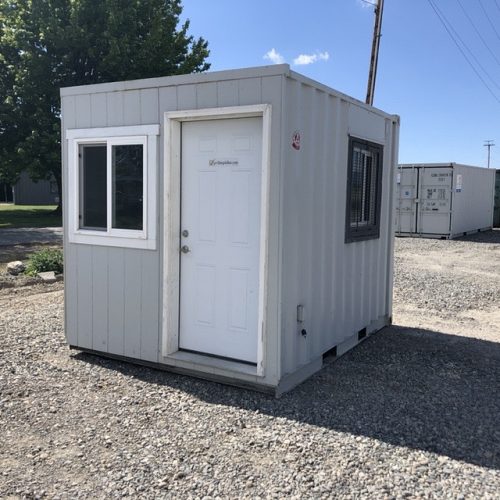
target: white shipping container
443 200
235 225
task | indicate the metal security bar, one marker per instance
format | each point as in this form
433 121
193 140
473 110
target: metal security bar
363 190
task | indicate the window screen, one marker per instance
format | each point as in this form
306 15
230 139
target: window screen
127 187
364 182
93 186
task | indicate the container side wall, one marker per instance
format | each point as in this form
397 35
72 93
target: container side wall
342 287
112 294
472 199
68 120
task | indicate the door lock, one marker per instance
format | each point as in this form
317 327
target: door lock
185 233
185 249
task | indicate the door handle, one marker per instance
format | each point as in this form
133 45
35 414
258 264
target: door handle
185 249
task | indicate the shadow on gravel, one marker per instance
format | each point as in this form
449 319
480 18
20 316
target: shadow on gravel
491 237
406 387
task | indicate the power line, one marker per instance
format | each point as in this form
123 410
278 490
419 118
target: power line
447 24
497 4
460 39
434 8
478 32
489 19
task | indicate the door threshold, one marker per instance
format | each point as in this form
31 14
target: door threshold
225 358
208 363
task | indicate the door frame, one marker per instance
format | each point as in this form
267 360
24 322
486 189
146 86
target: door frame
172 219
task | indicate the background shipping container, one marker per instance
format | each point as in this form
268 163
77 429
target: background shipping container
443 200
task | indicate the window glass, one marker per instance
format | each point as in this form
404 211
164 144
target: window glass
127 186
93 186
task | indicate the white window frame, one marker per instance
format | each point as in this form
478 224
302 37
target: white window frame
147 136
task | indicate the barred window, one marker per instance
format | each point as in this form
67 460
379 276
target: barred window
364 185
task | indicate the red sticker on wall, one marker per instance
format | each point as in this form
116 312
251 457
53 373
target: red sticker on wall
296 140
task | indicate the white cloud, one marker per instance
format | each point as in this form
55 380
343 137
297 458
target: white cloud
274 57
304 59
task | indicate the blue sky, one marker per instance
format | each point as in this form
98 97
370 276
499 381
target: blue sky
446 111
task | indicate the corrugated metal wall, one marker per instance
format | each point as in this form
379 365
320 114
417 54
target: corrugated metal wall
472 207
343 287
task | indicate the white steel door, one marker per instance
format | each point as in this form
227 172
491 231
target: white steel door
220 237
435 200
406 203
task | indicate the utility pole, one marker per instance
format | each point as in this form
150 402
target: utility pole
488 144
372 75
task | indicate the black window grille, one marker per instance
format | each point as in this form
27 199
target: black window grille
364 186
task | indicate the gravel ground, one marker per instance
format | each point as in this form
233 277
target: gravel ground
410 413
453 286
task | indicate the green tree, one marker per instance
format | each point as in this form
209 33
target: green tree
49 44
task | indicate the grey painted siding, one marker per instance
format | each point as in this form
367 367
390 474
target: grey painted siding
112 294
116 302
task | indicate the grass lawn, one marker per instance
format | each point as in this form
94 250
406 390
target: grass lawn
12 216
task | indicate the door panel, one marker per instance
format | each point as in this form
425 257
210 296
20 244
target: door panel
435 200
220 225
406 205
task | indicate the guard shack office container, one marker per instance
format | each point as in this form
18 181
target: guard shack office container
443 200
234 225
